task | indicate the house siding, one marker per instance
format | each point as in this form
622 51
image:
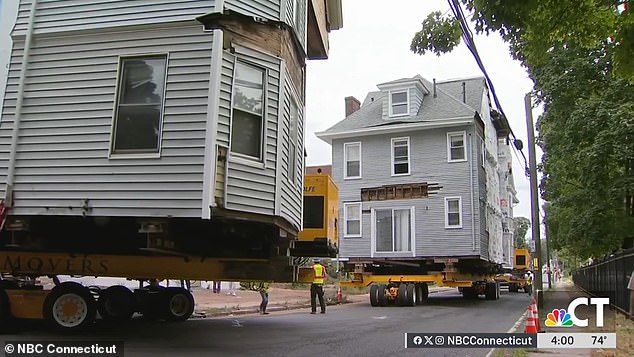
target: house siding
69 15
268 9
62 155
428 163
251 185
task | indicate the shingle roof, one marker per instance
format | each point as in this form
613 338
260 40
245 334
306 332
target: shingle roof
444 106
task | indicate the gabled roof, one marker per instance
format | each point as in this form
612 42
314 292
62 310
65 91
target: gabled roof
433 109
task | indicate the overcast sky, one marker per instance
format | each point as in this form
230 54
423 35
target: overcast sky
372 48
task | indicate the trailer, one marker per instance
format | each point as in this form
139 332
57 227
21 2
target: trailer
517 279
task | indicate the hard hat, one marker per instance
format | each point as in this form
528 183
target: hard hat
316 261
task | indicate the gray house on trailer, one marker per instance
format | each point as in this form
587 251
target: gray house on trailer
419 174
171 126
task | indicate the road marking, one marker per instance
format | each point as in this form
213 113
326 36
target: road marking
236 323
511 330
379 317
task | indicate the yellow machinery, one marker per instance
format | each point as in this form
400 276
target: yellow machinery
321 208
517 279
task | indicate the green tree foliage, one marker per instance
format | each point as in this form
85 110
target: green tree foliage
533 27
520 227
587 134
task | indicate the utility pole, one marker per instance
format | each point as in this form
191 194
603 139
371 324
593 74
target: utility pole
532 160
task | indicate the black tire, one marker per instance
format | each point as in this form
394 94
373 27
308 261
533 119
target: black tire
412 295
374 295
469 293
116 304
56 305
401 295
513 288
178 304
490 291
423 293
150 301
381 298
6 320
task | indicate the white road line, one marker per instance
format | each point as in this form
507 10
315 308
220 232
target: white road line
511 330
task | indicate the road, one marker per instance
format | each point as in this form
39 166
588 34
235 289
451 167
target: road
347 330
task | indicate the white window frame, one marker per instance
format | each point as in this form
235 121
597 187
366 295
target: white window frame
464 145
345 220
409 170
412 212
453 198
265 76
406 91
134 153
345 161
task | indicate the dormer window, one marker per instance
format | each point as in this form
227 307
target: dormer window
399 103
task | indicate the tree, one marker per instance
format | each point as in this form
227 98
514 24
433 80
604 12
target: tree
587 135
520 227
532 28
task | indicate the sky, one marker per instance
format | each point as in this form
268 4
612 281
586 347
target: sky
372 47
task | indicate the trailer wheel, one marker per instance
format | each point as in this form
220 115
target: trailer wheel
423 292
491 291
5 313
178 304
412 295
512 287
374 295
401 295
116 304
381 298
69 306
469 293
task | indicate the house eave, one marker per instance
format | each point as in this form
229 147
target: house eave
395 128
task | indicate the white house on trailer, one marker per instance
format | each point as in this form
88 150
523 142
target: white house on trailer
424 173
167 125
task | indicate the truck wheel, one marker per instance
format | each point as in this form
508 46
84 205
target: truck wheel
5 313
178 304
513 287
381 298
116 304
374 295
69 306
401 296
423 292
469 293
490 291
412 295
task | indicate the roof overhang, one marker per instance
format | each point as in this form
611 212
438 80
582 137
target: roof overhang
395 128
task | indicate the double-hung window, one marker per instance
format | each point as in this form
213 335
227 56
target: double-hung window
399 103
393 230
352 160
400 156
138 116
456 148
247 115
453 212
352 219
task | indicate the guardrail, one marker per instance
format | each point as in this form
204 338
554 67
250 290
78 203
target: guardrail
608 277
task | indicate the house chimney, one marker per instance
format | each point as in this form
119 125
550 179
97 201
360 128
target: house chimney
464 92
434 87
352 105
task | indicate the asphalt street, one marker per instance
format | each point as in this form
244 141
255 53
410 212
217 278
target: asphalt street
346 330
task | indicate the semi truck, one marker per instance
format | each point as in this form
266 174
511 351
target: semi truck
158 141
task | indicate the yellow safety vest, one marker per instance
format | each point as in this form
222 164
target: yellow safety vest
320 274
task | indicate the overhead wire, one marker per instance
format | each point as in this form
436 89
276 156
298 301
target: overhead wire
467 36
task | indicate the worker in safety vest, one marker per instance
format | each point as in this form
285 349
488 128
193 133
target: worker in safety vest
317 287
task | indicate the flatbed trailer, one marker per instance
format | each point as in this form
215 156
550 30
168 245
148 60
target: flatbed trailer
517 279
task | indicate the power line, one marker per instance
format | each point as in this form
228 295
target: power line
467 36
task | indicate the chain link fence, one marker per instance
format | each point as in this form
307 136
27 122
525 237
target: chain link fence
608 277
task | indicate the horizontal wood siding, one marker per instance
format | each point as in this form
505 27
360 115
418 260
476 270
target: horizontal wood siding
268 9
67 15
291 189
428 164
66 122
251 185
415 100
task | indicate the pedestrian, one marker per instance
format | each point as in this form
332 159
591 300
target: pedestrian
630 286
232 288
529 283
216 287
317 287
263 288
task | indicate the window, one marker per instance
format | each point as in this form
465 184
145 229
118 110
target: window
352 219
399 103
400 156
292 142
393 230
314 212
453 212
141 87
456 146
352 160
247 113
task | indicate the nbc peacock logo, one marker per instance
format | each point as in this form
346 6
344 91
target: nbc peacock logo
559 318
